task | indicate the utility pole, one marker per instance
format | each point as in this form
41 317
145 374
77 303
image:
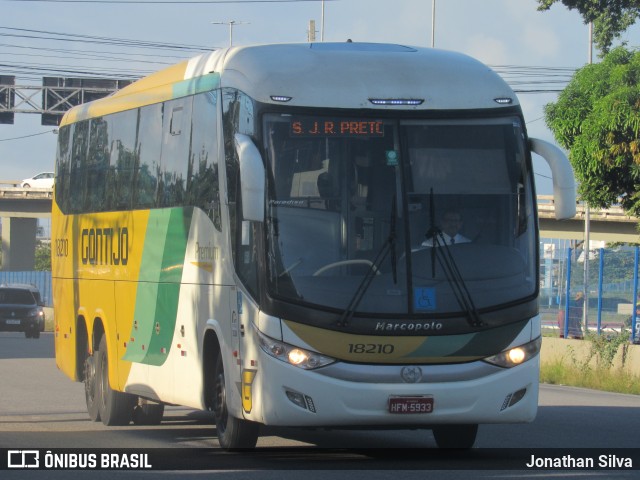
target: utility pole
587 224
231 24
311 33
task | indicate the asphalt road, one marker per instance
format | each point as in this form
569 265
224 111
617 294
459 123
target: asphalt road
41 408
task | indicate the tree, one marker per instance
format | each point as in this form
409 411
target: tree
597 118
43 257
610 17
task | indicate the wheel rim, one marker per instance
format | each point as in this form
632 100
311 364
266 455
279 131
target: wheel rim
220 403
89 378
104 378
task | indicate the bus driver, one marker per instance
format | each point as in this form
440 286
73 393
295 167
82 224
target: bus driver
449 231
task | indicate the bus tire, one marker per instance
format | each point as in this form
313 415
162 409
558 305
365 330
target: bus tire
116 408
455 436
148 413
91 388
233 433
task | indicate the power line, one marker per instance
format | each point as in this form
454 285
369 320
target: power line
50 70
27 136
89 52
147 2
535 120
543 176
86 57
522 78
97 39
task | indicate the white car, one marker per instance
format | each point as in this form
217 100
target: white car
41 180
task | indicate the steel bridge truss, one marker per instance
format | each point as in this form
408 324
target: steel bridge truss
54 97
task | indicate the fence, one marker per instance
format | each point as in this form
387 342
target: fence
42 280
603 303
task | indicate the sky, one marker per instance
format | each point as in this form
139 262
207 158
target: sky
532 50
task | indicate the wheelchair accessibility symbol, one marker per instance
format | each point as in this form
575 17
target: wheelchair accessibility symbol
424 298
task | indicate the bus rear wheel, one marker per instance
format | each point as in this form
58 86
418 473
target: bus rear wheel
233 433
455 436
116 408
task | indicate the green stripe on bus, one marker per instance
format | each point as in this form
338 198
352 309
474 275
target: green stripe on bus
489 342
478 344
175 246
196 85
159 286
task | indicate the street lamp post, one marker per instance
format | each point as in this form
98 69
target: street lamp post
433 23
322 23
231 24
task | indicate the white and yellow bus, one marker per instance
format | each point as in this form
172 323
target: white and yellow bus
262 232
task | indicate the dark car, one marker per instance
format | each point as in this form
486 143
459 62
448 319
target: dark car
21 310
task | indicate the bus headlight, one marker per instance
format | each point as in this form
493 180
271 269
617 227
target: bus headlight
517 355
292 355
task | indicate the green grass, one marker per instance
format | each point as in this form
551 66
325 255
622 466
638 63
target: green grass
610 380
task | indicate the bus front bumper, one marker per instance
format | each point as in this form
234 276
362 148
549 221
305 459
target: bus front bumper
285 395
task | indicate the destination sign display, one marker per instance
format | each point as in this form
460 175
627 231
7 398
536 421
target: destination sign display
336 127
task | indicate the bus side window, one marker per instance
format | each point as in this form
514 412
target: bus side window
203 185
124 159
77 181
96 166
148 145
63 159
175 153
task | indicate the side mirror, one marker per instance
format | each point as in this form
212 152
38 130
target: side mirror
252 178
564 185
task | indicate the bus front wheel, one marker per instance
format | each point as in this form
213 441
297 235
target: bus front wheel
233 433
116 408
455 436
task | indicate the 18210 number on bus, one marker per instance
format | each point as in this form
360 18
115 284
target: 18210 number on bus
371 348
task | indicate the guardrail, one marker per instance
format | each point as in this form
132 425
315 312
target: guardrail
11 183
26 193
12 189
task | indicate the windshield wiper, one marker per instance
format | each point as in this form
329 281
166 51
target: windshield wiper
392 240
460 290
389 246
440 251
432 233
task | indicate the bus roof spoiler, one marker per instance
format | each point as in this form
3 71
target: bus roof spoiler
564 185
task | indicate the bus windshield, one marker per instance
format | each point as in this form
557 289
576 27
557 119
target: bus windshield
424 217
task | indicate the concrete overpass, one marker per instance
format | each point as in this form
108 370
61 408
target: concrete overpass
21 207
609 225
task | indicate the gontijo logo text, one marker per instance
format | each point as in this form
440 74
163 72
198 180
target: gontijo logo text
105 246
